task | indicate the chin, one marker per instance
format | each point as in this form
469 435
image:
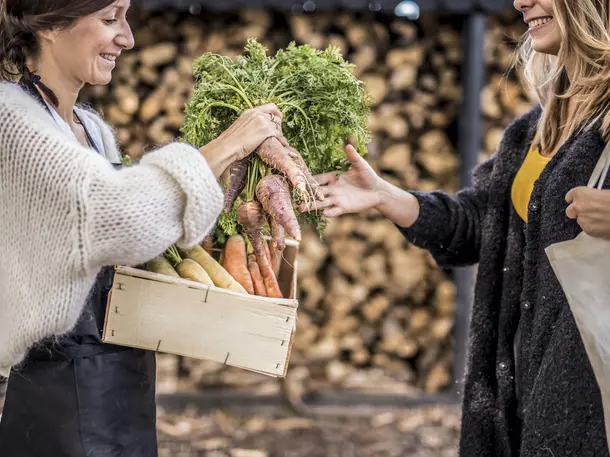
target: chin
546 48
101 80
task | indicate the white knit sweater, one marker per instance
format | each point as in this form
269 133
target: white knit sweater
65 212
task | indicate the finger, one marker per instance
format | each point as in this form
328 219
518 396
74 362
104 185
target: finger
315 206
353 157
333 212
575 193
282 139
327 191
326 178
271 108
571 212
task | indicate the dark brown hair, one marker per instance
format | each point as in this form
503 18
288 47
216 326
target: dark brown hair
21 20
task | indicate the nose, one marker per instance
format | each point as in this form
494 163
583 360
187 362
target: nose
523 5
125 39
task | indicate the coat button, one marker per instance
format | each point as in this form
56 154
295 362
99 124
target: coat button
503 366
526 305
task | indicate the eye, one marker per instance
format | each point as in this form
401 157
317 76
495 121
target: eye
109 21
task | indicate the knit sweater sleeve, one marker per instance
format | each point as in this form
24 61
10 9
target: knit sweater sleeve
450 226
112 216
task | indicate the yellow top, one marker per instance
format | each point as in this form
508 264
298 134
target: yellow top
523 185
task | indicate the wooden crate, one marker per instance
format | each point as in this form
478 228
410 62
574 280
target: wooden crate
176 316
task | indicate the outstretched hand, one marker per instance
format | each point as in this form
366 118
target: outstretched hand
353 191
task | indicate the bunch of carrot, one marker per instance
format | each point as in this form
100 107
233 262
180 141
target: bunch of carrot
323 103
261 192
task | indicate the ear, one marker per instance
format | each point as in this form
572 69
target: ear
48 35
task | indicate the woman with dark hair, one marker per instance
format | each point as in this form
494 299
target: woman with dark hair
68 213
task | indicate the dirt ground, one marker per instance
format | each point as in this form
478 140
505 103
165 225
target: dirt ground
429 432
273 432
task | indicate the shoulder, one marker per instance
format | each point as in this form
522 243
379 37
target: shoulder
516 140
18 104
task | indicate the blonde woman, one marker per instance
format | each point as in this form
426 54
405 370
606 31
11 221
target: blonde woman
529 389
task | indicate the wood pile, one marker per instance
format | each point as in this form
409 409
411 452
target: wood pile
376 313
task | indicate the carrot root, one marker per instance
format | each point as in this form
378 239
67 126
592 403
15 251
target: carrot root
257 278
162 266
235 261
191 270
237 182
273 153
250 217
273 193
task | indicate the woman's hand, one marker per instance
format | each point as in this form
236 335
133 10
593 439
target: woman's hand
359 189
354 191
591 209
243 137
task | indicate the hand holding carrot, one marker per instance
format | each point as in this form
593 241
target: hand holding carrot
246 134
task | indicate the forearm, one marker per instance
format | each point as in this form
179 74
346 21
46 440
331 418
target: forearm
137 213
397 205
218 155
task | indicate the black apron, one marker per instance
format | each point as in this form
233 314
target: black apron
78 397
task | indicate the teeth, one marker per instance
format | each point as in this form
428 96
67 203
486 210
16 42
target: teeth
539 22
109 57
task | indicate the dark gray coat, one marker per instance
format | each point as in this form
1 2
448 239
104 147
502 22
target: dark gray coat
560 412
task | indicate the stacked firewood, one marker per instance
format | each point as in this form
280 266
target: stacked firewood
376 313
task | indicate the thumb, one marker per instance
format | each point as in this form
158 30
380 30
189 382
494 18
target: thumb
352 155
572 194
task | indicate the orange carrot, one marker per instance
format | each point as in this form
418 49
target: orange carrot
237 182
250 217
257 279
273 193
235 261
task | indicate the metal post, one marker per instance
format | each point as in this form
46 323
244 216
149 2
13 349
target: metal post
469 146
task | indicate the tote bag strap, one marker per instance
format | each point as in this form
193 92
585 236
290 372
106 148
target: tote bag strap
598 177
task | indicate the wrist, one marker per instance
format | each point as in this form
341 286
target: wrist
383 193
399 206
218 156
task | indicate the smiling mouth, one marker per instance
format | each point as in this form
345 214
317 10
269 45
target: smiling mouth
539 22
108 57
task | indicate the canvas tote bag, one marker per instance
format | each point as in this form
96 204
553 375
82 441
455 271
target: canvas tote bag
582 266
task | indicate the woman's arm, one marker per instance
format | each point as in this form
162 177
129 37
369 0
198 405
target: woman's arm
53 186
448 226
